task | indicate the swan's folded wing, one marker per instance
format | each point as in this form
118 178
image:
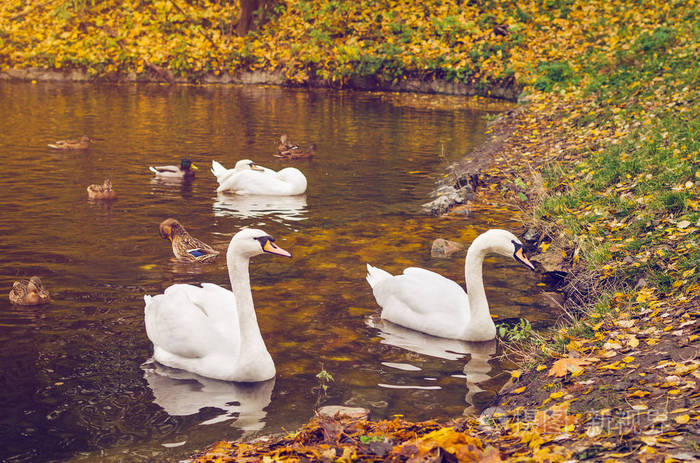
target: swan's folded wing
423 292
254 182
178 322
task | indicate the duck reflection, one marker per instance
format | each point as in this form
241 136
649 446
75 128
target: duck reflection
165 186
292 208
476 370
181 393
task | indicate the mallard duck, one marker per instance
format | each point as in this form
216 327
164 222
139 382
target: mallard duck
103 191
210 330
298 154
181 171
29 292
426 301
76 144
185 246
249 178
285 145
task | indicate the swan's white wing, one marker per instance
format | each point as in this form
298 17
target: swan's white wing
260 183
424 291
186 320
220 172
295 179
425 301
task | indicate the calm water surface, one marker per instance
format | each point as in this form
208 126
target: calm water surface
77 383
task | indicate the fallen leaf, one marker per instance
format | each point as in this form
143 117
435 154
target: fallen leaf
565 365
491 455
682 419
648 440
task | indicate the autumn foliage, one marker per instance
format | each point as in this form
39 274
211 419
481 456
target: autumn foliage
528 43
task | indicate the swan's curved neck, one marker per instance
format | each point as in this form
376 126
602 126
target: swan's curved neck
478 306
240 285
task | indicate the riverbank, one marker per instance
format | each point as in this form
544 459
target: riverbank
606 172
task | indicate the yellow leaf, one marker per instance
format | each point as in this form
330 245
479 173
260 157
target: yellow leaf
541 367
682 419
649 440
639 393
516 373
628 359
519 390
556 395
545 246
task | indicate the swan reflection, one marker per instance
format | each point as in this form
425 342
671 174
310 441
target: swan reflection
291 208
420 343
476 370
182 393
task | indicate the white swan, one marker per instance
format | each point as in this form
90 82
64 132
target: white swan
248 178
212 331
426 301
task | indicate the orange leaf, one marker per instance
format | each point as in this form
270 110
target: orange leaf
563 366
491 455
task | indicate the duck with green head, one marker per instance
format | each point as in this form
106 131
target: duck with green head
184 170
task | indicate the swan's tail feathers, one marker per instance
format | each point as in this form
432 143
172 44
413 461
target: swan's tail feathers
217 169
153 169
147 299
375 275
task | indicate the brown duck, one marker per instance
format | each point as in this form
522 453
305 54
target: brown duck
285 146
103 191
29 292
299 154
185 246
76 144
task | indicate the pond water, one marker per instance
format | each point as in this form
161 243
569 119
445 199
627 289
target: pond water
77 382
